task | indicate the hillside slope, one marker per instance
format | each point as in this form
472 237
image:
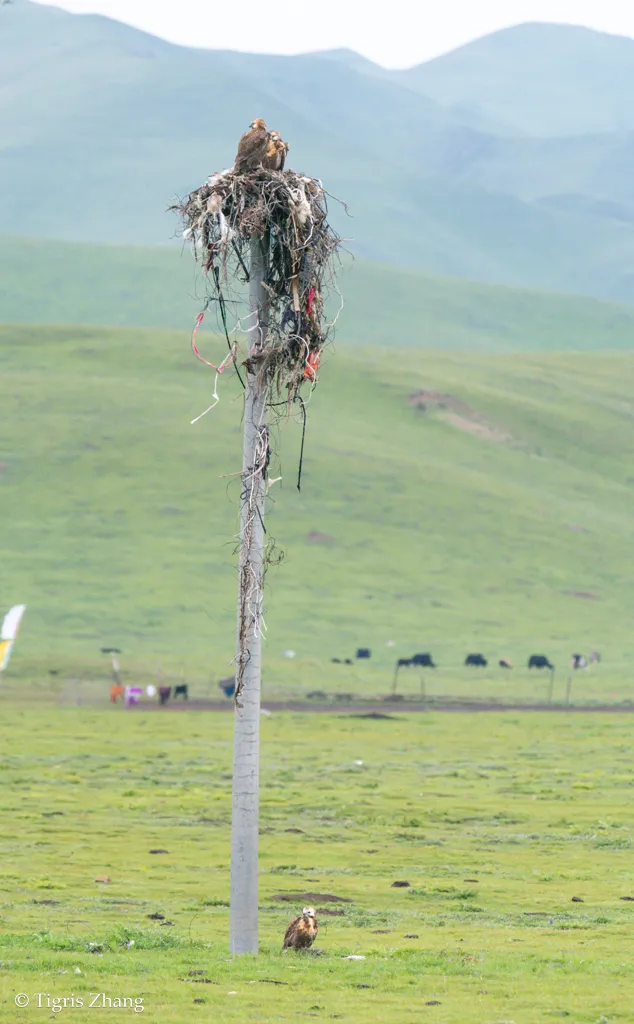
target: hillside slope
449 502
55 283
102 125
539 79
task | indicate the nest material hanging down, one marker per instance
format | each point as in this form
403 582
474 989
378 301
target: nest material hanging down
220 220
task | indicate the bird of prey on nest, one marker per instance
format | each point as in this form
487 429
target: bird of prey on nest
259 147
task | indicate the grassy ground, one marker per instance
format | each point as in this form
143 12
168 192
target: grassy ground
47 282
499 521
496 827
120 530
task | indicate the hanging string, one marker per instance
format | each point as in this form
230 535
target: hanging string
247 276
223 314
301 451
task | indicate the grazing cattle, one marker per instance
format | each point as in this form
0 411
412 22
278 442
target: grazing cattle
505 663
476 661
578 661
336 661
317 695
417 661
364 652
165 692
540 661
181 691
228 686
423 660
348 661
595 658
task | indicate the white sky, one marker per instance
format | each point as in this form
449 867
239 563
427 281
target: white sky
398 33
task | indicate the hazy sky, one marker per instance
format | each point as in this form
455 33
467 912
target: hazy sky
397 33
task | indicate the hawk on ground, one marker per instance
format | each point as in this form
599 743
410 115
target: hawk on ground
302 932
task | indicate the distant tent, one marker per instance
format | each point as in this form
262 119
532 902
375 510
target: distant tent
9 632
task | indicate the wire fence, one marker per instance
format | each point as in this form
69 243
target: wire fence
314 683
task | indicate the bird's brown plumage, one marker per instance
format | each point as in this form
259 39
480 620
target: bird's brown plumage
276 151
302 932
252 147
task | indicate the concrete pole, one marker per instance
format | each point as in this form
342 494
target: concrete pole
246 743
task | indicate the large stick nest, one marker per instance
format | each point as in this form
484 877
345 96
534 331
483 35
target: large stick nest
288 211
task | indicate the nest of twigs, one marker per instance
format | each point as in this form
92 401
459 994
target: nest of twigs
289 213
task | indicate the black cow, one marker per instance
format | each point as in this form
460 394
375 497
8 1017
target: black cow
540 661
165 692
476 661
364 652
336 661
578 661
181 691
417 661
423 660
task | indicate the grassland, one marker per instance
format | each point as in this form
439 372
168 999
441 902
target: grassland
496 828
495 519
43 282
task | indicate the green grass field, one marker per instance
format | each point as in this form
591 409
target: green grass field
497 518
496 827
44 282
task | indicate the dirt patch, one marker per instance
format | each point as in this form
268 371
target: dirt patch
457 413
315 537
377 716
586 594
424 400
310 898
477 427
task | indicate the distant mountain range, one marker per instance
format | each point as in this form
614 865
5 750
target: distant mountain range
510 160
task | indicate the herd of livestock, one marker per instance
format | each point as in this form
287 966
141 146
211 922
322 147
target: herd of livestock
477 660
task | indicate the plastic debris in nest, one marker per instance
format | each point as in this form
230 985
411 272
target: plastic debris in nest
291 211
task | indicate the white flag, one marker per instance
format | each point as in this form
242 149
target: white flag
9 632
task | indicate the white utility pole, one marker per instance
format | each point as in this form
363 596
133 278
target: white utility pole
246 750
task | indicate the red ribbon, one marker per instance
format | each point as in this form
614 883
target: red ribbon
223 365
312 365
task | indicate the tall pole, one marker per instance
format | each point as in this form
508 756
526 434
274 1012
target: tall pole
246 743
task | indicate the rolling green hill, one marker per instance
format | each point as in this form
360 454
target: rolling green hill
101 125
54 283
449 502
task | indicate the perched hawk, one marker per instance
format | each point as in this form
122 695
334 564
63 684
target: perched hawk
276 151
252 147
302 932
